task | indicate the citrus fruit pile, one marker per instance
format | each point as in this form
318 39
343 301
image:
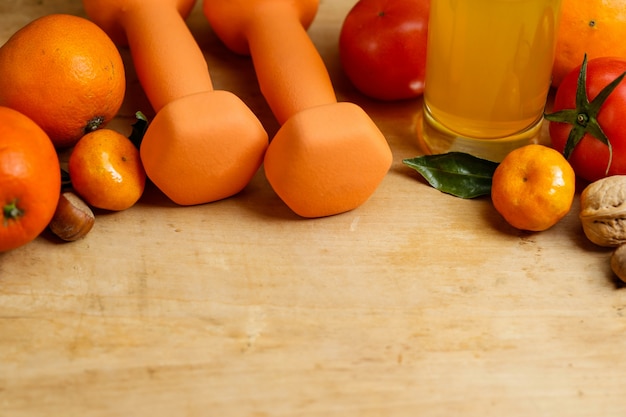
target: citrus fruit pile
62 80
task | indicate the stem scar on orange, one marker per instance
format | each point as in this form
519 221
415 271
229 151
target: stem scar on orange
64 73
593 27
30 179
106 170
533 187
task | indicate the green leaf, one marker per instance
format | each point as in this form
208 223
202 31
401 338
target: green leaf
139 129
456 173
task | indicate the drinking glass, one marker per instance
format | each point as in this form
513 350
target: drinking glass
488 70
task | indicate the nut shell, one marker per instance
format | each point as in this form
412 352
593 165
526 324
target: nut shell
603 211
618 262
73 218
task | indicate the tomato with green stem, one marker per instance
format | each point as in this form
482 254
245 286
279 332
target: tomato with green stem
588 115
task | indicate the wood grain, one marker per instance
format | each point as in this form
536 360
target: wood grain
415 304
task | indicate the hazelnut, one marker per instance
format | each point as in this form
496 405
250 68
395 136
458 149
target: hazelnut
73 218
618 262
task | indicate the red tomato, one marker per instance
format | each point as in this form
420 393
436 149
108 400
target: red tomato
382 46
590 158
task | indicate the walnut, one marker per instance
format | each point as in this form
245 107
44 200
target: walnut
603 211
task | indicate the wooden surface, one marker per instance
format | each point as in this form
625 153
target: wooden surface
415 304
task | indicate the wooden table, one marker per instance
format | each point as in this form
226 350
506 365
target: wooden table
415 304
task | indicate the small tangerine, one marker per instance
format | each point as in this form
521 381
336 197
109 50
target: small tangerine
106 170
533 187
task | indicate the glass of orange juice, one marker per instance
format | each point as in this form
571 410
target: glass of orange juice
488 70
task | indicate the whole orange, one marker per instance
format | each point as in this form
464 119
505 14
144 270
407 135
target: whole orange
593 27
64 73
30 179
533 187
105 169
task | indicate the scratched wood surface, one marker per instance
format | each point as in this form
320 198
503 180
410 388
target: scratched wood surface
415 304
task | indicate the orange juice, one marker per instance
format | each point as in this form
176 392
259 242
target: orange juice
488 72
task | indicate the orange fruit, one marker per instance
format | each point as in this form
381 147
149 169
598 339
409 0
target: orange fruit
593 27
105 169
64 73
533 187
30 179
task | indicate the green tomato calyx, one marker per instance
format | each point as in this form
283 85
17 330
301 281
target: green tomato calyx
584 118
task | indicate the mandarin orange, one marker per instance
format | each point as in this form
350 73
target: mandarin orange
593 27
30 179
64 73
106 170
533 187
